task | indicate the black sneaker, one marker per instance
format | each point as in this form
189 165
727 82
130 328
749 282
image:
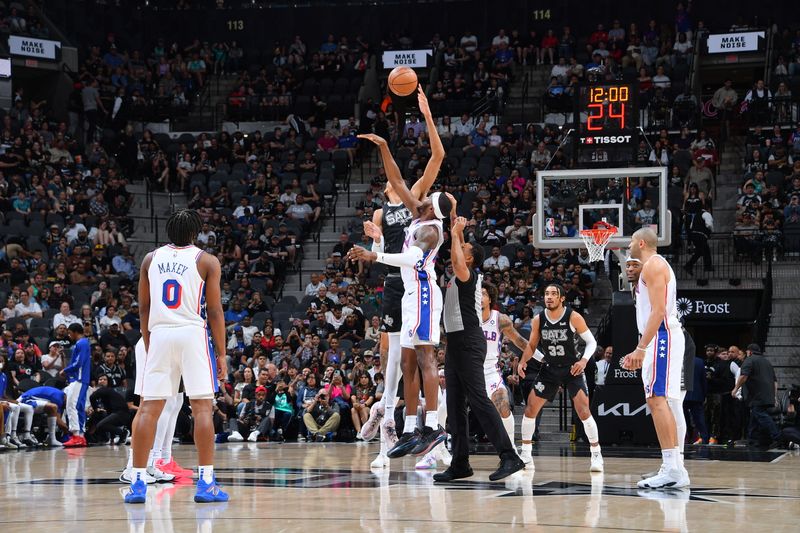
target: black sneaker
451 474
405 444
429 438
506 468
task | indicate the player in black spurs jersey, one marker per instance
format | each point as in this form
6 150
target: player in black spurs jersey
387 231
555 331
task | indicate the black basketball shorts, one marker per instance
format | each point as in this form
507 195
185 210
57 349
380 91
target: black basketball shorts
546 382
391 308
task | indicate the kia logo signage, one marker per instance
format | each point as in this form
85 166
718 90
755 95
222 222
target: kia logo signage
622 409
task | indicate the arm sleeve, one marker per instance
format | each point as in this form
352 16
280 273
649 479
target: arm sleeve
591 344
377 247
408 259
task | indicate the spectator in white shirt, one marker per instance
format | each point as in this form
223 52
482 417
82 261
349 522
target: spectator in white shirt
312 289
240 211
463 127
53 360
501 37
27 308
560 71
469 42
65 316
661 79
603 366
496 261
72 229
110 318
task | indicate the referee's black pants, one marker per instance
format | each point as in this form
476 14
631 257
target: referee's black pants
463 372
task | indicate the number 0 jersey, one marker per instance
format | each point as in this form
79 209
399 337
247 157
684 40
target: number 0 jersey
557 339
177 292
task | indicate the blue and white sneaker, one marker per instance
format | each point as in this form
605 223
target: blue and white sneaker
137 493
209 492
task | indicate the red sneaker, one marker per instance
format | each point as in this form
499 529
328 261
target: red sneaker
175 469
75 441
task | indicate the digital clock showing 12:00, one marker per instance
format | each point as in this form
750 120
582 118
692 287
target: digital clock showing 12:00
607 107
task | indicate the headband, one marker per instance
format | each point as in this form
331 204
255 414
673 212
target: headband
435 202
632 260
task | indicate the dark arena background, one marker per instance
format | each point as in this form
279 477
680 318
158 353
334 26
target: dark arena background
551 116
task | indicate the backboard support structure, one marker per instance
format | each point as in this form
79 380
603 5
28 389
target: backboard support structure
568 201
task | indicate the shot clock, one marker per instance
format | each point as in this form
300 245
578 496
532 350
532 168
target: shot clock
606 123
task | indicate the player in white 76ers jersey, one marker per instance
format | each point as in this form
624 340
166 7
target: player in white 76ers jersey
659 353
179 290
495 326
421 312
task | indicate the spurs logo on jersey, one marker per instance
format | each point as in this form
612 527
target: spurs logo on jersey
394 216
557 338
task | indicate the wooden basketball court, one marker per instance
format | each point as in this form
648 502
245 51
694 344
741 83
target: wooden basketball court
329 487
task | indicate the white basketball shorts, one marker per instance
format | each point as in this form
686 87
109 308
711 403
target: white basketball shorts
422 312
493 382
663 364
183 351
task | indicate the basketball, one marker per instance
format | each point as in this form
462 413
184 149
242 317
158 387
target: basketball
403 81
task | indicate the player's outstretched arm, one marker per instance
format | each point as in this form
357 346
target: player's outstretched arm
510 332
530 349
457 252
393 172
144 300
374 230
579 323
214 313
420 189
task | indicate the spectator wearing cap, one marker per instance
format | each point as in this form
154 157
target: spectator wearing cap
321 417
114 338
53 361
254 420
65 316
132 321
757 377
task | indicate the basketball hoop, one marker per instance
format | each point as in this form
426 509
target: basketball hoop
596 240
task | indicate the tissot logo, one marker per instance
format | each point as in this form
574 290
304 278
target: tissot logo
622 409
606 139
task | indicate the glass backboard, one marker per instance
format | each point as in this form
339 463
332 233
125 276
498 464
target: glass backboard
568 201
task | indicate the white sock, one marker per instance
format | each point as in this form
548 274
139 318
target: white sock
166 445
130 459
51 427
410 424
590 427
678 457
432 419
508 423
527 429
137 474
206 473
154 456
526 447
668 457
388 413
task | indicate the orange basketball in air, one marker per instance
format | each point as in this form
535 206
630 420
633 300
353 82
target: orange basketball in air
403 81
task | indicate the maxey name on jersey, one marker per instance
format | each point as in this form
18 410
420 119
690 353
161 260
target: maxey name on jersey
172 268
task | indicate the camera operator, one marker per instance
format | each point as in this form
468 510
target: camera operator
255 419
321 417
790 434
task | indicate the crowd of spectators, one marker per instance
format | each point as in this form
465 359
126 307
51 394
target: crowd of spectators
655 57
768 206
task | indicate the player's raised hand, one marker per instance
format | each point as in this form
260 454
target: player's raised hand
578 368
372 231
357 253
375 139
422 100
458 225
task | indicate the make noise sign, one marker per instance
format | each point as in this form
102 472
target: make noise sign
734 42
405 58
30 47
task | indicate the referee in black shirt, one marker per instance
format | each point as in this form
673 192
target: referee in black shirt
463 369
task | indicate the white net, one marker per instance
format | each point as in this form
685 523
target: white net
596 241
